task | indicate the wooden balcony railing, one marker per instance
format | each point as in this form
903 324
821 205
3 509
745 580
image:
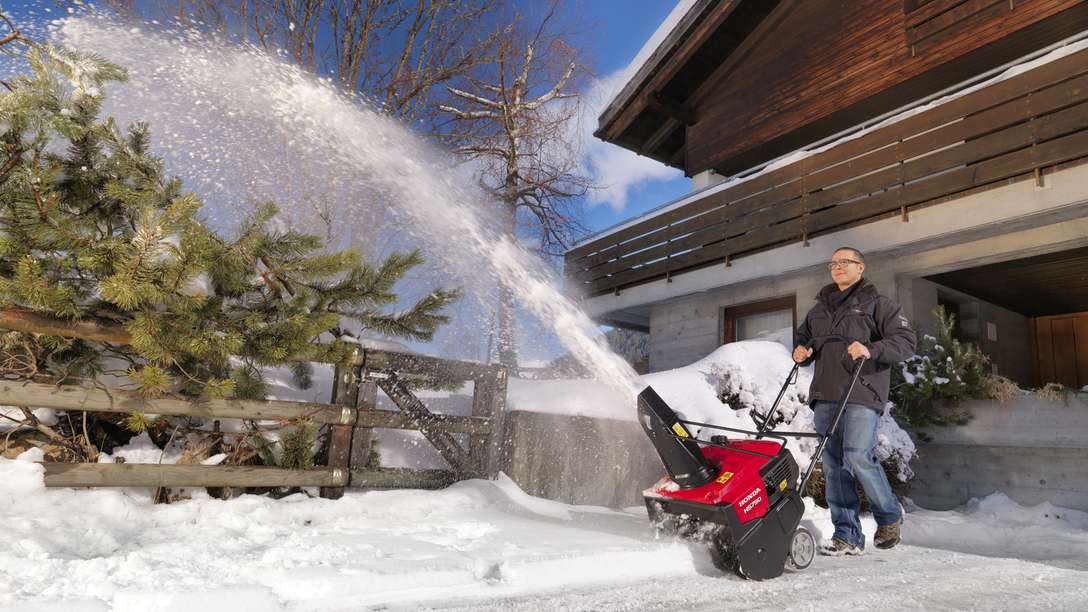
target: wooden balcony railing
1010 130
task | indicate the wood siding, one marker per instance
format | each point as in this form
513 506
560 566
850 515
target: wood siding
828 55
1061 348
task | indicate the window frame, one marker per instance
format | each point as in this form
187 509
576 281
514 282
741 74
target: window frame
729 314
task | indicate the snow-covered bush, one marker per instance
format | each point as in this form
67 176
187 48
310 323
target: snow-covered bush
944 372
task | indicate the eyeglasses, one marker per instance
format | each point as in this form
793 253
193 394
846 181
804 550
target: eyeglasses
841 263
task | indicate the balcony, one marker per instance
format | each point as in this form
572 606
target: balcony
1015 129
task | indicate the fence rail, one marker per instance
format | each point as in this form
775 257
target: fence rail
1010 130
351 416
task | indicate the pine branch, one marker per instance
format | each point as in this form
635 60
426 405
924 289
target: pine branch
34 323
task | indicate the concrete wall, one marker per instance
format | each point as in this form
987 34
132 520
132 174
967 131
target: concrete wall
579 460
1031 450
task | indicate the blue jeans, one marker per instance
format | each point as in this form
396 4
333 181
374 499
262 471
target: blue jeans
849 458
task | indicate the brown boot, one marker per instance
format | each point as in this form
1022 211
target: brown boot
887 536
839 548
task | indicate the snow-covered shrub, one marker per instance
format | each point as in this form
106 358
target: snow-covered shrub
944 372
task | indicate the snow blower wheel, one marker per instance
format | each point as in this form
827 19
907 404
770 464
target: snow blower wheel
802 549
740 496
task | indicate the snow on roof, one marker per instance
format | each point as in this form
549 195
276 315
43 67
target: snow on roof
643 56
1001 73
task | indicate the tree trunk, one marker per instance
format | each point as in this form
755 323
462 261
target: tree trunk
507 336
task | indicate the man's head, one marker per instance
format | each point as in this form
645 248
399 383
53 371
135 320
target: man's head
847 265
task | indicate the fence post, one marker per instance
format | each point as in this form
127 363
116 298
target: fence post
489 400
345 394
361 437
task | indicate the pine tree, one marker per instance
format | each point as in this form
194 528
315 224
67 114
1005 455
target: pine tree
107 267
945 372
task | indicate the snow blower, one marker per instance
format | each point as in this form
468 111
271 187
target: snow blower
741 496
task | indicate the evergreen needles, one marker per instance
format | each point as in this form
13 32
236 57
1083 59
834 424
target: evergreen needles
92 229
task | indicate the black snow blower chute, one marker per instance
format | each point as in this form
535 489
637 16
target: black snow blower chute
740 496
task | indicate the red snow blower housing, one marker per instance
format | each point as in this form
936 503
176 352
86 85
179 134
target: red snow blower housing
742 496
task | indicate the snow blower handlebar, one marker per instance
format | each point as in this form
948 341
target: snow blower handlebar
815 344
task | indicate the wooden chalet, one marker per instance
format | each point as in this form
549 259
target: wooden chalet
947 139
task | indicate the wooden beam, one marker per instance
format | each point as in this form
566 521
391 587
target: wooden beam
400 478
672 108
404 363
660 135
392 419
442 441
154 475
362 436
769 23
489 401
93 399
627 104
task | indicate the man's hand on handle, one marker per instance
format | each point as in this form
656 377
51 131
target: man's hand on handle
857 350
801 353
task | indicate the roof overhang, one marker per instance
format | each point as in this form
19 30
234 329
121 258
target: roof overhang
649 114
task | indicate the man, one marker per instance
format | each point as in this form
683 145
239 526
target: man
873 327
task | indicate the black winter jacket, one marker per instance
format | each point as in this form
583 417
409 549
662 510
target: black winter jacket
867 317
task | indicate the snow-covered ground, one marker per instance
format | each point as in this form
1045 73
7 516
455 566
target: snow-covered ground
487 545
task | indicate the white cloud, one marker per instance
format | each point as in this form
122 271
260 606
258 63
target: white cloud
615 170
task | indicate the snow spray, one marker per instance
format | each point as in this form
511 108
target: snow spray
240 124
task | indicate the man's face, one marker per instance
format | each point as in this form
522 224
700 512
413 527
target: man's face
846 269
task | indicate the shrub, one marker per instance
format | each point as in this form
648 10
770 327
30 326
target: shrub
1054 392
944 373
1001 389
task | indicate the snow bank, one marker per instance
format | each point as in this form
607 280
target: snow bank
997 526
722 389
115 550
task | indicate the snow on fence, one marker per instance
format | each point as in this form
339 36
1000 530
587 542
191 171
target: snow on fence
351 416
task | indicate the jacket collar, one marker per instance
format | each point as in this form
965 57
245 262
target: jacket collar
864 291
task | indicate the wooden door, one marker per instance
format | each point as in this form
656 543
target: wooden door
1061 349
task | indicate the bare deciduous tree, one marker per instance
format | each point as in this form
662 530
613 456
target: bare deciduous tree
517 123
398 53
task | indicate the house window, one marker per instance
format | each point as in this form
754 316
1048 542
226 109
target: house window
772 320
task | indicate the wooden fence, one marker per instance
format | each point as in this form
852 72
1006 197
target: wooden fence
351 417
1013 129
